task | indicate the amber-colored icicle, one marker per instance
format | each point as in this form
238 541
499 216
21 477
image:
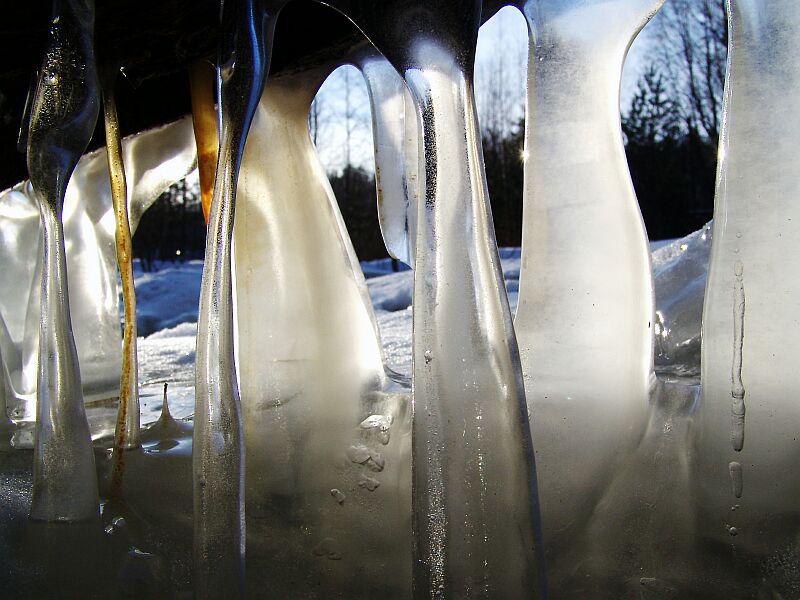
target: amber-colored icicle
127 431
204 120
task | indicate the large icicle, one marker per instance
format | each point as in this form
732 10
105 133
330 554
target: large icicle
475 505
154 160
218 445
63 116
310 368
746 435
394 132
585 310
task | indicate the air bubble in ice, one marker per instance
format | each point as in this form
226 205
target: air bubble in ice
380 424
369 483
359 453
338 495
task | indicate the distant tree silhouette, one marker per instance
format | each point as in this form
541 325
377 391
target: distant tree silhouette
355 192
172 229
672 168
502 156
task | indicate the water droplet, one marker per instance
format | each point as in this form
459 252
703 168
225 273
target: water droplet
735 470
428 356
109 529
733 531
338 495
368 483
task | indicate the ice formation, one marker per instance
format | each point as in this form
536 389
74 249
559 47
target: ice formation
748 414
585 307
63 116
307 450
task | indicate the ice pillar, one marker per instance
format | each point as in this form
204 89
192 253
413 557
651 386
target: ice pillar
394 131
218 446
475 506
746 445
64 113
311 370
585 311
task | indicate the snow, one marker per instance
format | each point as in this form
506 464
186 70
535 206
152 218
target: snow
167 319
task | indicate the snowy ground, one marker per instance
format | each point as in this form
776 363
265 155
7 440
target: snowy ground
167 319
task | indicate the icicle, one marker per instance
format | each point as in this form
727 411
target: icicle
394 130
127 430
204 120
475 506
62 121
586 307
218 447
750 345
308 359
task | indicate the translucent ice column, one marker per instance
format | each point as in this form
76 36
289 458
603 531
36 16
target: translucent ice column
218 447
394 131
585 311
747 445
154 160
310 370
475 507
63 116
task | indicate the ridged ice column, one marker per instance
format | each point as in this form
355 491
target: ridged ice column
218 446
747 447
63 116
585 309
475 505
396 141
